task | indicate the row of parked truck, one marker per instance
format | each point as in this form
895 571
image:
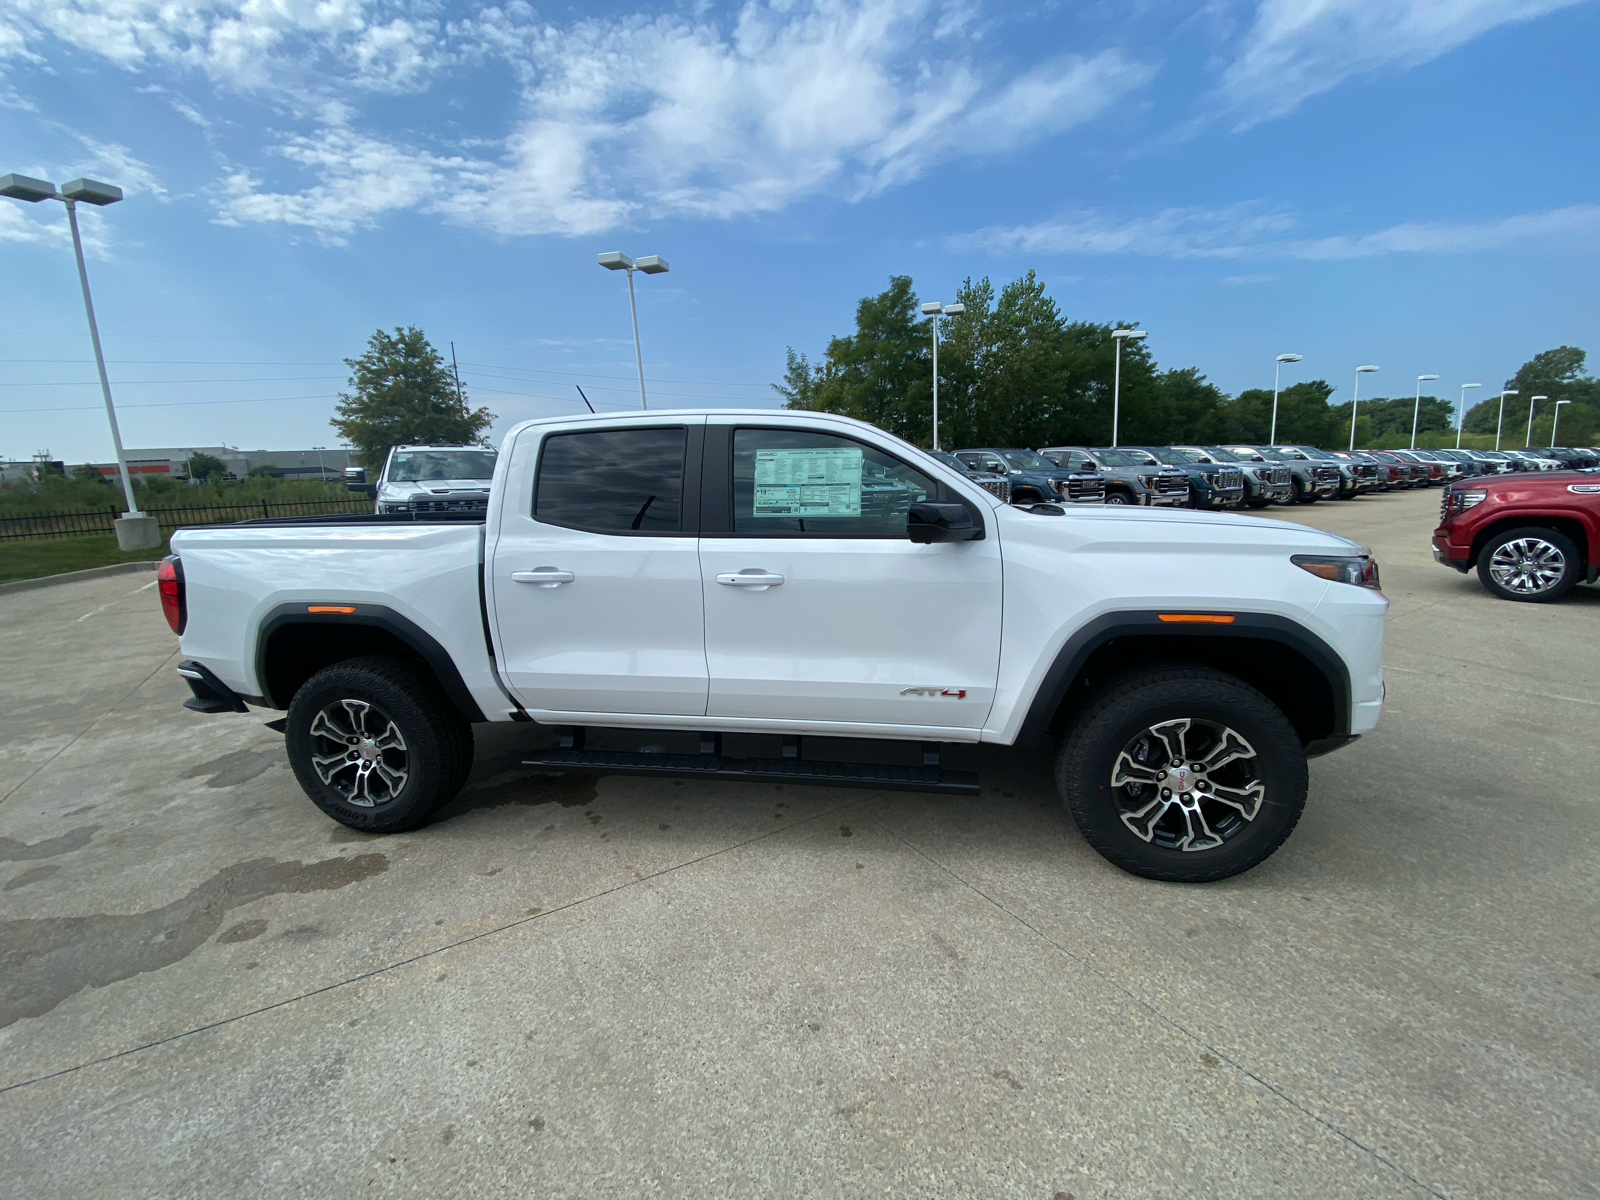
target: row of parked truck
1232 476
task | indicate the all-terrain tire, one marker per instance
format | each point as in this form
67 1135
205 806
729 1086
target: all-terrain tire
376 745
1117 496
1130 708
1535 565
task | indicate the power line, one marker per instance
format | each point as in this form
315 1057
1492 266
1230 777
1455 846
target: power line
165 382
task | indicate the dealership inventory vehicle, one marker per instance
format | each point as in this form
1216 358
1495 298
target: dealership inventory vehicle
1264 482
1353 478
436 479
993 482
701 574
1531 537
1130 479
1309 481
1211 485
1036 480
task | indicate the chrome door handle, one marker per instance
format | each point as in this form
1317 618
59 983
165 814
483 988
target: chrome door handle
750 577
547 577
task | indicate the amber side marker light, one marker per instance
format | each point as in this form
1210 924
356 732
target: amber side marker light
1195 618
344 609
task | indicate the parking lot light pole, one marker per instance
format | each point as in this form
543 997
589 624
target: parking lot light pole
1500 424
937 310
1355 403
1416 409
21 187
1461 411
1556 424
1122 335
1533 402
1277 376
650 264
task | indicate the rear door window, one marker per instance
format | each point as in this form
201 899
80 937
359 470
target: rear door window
627 481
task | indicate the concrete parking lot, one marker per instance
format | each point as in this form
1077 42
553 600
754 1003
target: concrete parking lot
572 987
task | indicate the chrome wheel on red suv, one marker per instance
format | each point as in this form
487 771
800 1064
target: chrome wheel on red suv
1529 564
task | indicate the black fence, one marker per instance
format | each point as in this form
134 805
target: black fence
101 520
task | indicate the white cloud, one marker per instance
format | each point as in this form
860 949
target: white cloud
1296 49
1250 232
627 119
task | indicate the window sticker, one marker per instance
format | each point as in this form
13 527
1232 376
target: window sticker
820 482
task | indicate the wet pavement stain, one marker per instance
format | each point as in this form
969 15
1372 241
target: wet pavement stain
73 839
45 960
236 768
27 877
569 791
242 932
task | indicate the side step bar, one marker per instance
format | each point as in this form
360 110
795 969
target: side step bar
789 769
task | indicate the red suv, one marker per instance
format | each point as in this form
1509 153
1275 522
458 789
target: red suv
1532 537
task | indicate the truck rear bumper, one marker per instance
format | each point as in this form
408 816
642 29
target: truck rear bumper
211 695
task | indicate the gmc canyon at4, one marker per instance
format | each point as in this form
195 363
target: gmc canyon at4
794 574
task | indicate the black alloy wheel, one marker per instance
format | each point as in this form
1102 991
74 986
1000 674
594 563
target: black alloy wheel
376 745
1182 773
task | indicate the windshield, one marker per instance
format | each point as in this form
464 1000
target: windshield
1313 452
1113 458
1218 454
1496 454
1143 457
1271 455
1027 460
416 466
1173 458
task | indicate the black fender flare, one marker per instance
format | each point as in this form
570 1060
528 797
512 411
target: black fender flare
1074 653
372 616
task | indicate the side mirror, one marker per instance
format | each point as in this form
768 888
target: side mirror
928 522
355 479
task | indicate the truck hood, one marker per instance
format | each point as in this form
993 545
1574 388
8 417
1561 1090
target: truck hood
436 487
1147 527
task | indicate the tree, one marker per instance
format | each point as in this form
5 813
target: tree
1557 374
1387 420
206 466
404 395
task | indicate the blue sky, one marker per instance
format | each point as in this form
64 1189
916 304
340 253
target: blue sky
1399 182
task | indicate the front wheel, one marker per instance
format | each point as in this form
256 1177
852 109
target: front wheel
1182 774
375 744
1533 565
1118 498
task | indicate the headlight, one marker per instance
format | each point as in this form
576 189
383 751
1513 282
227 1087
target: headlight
1148 480
1472 498
1358 569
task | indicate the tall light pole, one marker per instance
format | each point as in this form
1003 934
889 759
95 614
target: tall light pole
1500 424
1355 402
1416 409
937 310
651 264
1557 423
322 471
1461 411
1277 376
1533 402
1122 335
135 531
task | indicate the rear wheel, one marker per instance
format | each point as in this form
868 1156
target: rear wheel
1182 774
1531 564
376 745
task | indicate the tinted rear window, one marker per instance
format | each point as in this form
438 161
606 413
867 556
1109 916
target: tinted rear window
613 480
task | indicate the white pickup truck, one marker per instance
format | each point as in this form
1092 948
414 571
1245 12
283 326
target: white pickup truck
791 574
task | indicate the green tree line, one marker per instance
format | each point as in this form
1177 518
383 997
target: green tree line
1013 371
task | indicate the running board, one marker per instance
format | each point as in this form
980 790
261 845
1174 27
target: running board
760 770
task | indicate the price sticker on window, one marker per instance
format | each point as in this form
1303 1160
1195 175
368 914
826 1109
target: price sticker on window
818 482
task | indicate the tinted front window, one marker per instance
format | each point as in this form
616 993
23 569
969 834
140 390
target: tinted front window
1113 458
1218 454
1171 457
613 480
1027 460
413 465
792 481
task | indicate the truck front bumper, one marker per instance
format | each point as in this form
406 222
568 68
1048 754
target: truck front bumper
1448 554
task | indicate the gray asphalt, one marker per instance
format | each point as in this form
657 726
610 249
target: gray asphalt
569 987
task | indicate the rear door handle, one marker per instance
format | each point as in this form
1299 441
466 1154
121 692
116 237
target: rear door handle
750 577
548 577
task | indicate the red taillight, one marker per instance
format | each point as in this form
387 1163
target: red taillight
169 582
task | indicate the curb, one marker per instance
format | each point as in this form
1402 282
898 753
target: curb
27 585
